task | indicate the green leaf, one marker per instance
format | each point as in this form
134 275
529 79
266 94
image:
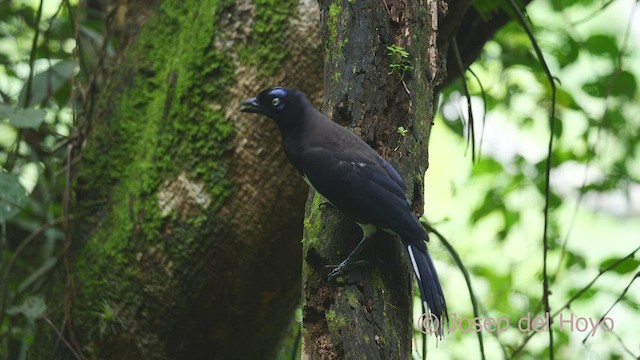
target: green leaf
602 45
12 196
510 218
5 111
33 307
47 83
565 4
593 88
624 85
28 118
455 126
487 166
625 267
574 259
568 52
566 99
492 202
557 130
586 295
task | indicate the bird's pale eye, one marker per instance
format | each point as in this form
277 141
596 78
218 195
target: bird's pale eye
276 101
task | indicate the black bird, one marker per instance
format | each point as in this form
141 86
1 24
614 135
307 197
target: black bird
355 179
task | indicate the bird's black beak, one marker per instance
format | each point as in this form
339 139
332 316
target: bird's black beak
251 106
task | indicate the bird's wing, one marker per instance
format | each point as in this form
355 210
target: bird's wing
359 186
392 173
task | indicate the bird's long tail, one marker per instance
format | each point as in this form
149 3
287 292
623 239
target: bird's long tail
429 284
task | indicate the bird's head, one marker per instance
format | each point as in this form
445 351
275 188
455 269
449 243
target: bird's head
278 103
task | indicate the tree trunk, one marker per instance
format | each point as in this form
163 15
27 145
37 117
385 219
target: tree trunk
389 101
187 217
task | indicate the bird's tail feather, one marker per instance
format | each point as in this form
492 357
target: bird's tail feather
429 284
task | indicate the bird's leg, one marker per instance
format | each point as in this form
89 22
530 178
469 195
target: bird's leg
350 262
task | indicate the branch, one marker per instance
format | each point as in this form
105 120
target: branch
471 35
465 273
547 192
612 266
471 135
624 292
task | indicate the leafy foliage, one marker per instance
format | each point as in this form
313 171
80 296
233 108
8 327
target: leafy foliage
399 60
38 66
593 179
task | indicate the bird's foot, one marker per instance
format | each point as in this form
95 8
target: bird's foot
344 268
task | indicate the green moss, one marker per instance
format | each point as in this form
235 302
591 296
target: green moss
330 315
353 300
168 120
313 224
335 321
377 281
270 32
337 39
332 23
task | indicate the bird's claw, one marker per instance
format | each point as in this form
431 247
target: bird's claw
343 268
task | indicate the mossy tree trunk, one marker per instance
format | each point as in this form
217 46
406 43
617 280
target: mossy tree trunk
187 218
185 241
389 101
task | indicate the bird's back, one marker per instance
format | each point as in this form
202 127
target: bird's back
352 176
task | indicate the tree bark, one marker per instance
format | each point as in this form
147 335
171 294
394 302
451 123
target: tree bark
187 217
370 314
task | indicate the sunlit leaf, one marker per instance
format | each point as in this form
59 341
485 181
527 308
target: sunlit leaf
563 4
568 52
565 99
455 126
510 218
574 259
593 88
487 166
626 266
554 200
558 127
12 196
624 85
28 118
602 45
587 294
492 202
